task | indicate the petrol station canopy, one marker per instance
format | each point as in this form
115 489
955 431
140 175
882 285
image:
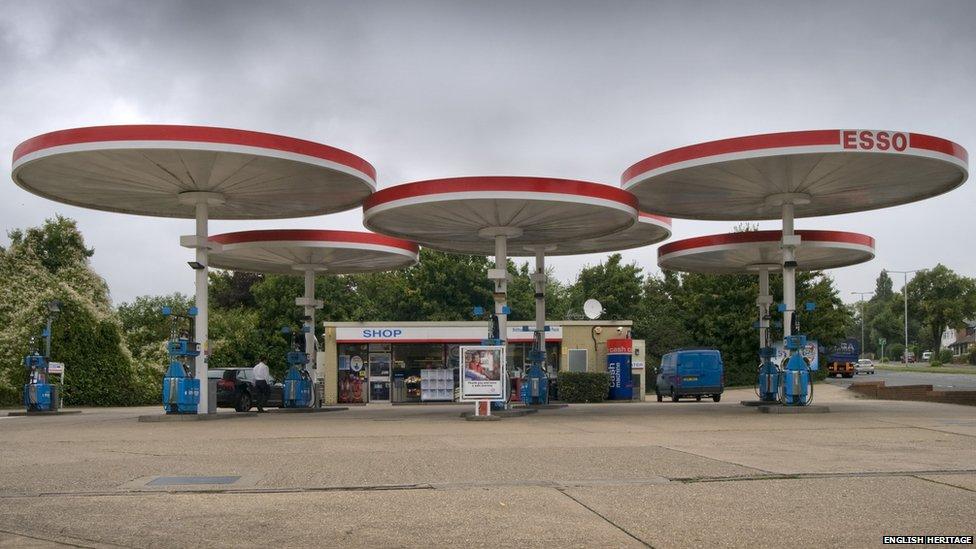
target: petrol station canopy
290 251
144 170
463 215
750 251
649 229
822 172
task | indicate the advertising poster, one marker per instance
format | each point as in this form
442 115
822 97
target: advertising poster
483 372
809 352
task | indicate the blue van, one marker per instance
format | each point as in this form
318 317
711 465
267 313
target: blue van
691 372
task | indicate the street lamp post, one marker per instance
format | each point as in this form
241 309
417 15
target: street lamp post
862 294
904 291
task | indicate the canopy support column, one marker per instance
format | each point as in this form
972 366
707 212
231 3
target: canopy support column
540 298
501 286
789 269
202 303
764 301
310 319
309 303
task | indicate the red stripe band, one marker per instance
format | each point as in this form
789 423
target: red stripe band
313 235
202 134
502 184
840 237
810 138
661 218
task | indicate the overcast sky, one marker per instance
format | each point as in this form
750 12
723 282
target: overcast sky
438 89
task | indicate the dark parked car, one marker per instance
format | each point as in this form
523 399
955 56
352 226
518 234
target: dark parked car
235 389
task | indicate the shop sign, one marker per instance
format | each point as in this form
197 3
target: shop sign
435 334
483 372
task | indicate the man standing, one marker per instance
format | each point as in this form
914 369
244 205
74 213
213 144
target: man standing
261 377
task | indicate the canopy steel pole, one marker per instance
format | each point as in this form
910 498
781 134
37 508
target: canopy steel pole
764 301
789 269
310 314
501 286
202 303
540 297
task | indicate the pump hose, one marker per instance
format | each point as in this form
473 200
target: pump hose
810 377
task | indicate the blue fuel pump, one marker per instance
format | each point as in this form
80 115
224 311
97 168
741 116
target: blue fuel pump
796 385
767 382
535 384
494 338
39 394
181 391
297 390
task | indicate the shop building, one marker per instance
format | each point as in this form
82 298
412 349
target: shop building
415 362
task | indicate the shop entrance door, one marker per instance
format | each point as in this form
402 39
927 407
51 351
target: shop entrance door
379 372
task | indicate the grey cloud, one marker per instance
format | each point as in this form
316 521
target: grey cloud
435 89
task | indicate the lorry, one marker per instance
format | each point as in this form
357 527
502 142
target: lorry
842 360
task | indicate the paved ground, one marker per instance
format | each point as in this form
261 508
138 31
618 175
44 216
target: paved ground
619 475
938 381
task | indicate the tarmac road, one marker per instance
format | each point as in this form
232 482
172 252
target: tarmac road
686 474
938 381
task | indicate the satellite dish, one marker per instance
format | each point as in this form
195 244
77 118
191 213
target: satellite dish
592 309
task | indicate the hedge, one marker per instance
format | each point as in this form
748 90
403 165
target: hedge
583 386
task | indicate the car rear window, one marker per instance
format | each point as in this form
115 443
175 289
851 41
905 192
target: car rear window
230 375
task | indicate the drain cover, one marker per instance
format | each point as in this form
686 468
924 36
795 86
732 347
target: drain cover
176 481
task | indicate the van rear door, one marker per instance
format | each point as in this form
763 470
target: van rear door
711 370
690 369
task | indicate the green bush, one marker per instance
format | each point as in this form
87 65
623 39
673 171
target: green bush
945 356
583 386
897 350
972 357
935 363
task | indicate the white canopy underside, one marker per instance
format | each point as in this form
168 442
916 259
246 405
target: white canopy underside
279 258
453 225
836 182
742 258
638 235
149 182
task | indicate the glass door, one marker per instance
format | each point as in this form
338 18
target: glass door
380 359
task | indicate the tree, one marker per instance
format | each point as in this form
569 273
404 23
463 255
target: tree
56 244
661 320
232 288
939 298
146 329
51 262
883 287
617 287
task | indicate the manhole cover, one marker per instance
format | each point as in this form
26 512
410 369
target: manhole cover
177 481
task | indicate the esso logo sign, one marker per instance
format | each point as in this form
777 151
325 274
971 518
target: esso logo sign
870 140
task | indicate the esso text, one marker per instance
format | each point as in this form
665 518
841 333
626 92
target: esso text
869 140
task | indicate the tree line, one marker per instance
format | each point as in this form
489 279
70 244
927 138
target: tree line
116 354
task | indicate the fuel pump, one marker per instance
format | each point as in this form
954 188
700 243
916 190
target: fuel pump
767 381
297 391
181 391
494 338
535 383
39 395
796 383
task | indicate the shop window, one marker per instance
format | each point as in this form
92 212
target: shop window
353 373
408 361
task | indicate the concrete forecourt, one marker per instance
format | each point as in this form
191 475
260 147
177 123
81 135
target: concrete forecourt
611 475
